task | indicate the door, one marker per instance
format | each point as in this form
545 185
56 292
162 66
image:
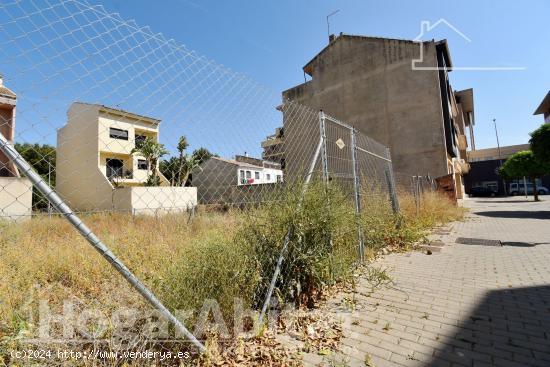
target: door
114 168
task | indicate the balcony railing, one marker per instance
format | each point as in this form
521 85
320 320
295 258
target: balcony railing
116 174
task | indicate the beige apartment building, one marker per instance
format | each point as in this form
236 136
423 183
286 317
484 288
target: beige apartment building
370 83
96 169
15 191
493 154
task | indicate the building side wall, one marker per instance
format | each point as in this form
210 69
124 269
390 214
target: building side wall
214 181
15 198
79 179
369 83
7 128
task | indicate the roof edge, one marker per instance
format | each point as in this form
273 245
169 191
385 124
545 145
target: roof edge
307 68
121 112
544 105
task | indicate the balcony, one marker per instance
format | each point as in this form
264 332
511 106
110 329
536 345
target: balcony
462 142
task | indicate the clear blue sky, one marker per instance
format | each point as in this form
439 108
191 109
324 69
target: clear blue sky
56 52
271 40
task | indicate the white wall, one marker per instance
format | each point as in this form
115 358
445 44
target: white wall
15 198
263 172
154 200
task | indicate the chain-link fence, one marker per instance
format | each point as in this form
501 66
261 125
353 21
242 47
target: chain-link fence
163 153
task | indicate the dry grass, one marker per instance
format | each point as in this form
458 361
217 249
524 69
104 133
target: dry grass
435 209
48 259
45 258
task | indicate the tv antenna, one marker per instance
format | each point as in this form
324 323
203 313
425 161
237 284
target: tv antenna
328 23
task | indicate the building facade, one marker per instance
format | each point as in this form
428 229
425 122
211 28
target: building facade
544 108
96 169
15 191
235 181
370 83
484 166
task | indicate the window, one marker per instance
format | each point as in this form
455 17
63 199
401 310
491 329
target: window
279 178
140 139
268 177
114 168
118 133
248 174
142 164
242 180
257 175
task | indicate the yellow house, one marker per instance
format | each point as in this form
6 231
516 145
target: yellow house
96 170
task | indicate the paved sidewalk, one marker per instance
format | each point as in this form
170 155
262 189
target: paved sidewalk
468 305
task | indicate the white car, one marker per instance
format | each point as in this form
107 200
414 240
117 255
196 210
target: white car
519 189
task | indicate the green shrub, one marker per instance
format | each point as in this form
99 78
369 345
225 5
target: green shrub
322 241
214 266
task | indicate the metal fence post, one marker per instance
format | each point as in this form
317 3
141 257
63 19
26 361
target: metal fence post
289 232
64 209
357 196
324 157
391 184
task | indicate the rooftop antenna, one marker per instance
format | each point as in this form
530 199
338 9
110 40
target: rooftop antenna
328 23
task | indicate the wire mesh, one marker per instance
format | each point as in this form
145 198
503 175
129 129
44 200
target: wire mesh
193 174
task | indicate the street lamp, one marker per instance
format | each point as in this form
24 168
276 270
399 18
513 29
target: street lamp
499 155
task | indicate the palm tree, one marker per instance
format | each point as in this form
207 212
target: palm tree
190 162
182 145
151 150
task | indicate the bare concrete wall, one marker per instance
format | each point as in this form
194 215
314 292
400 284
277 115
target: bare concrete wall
214 181
369 83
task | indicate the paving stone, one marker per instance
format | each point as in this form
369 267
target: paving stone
469 305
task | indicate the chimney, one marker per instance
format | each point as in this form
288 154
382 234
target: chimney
331 38
1 80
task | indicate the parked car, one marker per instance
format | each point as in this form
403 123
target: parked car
519 189
482 191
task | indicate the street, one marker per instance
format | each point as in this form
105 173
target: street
467 305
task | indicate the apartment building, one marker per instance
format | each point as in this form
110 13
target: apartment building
234 181
485 164
15 191
369 82
96 169
544 108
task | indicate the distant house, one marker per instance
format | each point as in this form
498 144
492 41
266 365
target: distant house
97 171
15 191
544 108
235 181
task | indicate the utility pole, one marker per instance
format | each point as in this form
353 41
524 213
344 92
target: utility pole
499 155
328 23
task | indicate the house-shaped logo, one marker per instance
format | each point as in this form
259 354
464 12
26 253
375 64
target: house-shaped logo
426 27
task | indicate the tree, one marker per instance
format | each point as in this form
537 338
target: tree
178 169
152 151
190 162
169 169
202 154
524 164
540 143
182 146
42 159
